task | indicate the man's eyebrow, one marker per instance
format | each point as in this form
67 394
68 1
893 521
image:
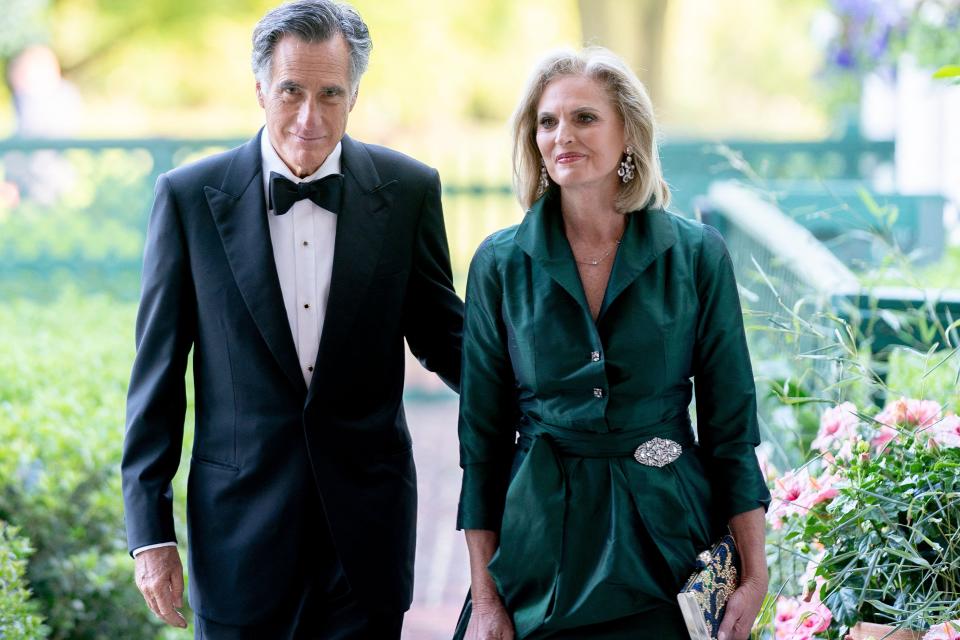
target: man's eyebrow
333 88
289 84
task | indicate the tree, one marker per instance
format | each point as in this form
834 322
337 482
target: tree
634 29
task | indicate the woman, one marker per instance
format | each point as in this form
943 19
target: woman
583 327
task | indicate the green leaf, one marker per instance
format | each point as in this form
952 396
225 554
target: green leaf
844 605
909 557
948 71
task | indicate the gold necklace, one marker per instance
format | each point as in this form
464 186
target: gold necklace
595 262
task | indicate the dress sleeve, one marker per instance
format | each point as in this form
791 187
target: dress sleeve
726 394
488 403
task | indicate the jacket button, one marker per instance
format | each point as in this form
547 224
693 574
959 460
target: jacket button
595 356
597 392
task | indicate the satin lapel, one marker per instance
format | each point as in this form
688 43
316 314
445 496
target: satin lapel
361 226
541 237
239 211
648 234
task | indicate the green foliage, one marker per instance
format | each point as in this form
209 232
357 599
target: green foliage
21 24
62 390
913 374
19 618
933 41
892 534
82 224
890 538
78 204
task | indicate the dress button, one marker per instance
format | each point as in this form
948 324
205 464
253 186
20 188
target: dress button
595 356
597 392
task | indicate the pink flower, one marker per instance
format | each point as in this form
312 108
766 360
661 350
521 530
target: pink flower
910 413
786 492
946 433
945 631
838 426
904 414
894 413
821 489
798 620
797 492
922 413
884 435
815 617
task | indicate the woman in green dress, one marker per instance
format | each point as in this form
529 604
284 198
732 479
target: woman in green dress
586 492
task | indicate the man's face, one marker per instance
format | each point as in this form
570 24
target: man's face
308 100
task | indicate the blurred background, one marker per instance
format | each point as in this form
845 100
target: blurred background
817 135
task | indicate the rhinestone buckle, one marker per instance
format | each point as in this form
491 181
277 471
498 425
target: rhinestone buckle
657 452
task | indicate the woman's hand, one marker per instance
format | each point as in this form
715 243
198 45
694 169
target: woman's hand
489 620
748 530
742 609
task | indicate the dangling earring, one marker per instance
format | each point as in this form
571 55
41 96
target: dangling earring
544 179
626 170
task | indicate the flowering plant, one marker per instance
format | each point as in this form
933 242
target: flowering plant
861 35
875 518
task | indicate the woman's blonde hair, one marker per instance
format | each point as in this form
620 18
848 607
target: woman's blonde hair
630 98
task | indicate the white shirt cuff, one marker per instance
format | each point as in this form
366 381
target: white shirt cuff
138 550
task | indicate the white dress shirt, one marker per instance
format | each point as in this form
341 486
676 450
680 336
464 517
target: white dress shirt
303 240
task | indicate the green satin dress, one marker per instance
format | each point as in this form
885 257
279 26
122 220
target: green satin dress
553 406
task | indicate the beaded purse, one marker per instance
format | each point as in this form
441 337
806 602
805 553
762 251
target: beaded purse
704 596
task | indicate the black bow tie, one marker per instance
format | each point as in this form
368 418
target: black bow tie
324 192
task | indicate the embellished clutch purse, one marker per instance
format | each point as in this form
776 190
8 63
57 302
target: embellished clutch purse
704 596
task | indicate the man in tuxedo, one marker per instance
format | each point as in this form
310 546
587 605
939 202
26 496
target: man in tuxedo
294 266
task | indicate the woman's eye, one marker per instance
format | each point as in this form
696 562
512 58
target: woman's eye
547 122
587 117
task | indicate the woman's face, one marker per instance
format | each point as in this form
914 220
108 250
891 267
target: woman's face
579 132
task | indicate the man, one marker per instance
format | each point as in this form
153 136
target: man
294 266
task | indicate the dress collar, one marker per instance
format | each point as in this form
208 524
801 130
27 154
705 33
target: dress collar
648 234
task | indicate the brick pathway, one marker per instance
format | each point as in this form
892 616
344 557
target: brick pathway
442 573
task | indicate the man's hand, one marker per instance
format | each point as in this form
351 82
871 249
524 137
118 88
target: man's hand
742 609
159 576
489 620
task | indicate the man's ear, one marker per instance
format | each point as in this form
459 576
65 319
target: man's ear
353 98
260 99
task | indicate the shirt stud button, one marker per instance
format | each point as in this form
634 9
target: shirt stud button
595 356
597 392
306 306
306 244
309 368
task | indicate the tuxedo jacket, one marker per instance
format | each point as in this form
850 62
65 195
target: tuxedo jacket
274 463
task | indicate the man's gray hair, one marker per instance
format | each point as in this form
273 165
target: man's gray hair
311 21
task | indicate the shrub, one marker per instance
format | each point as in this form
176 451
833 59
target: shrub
19 618
62 393
875 516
